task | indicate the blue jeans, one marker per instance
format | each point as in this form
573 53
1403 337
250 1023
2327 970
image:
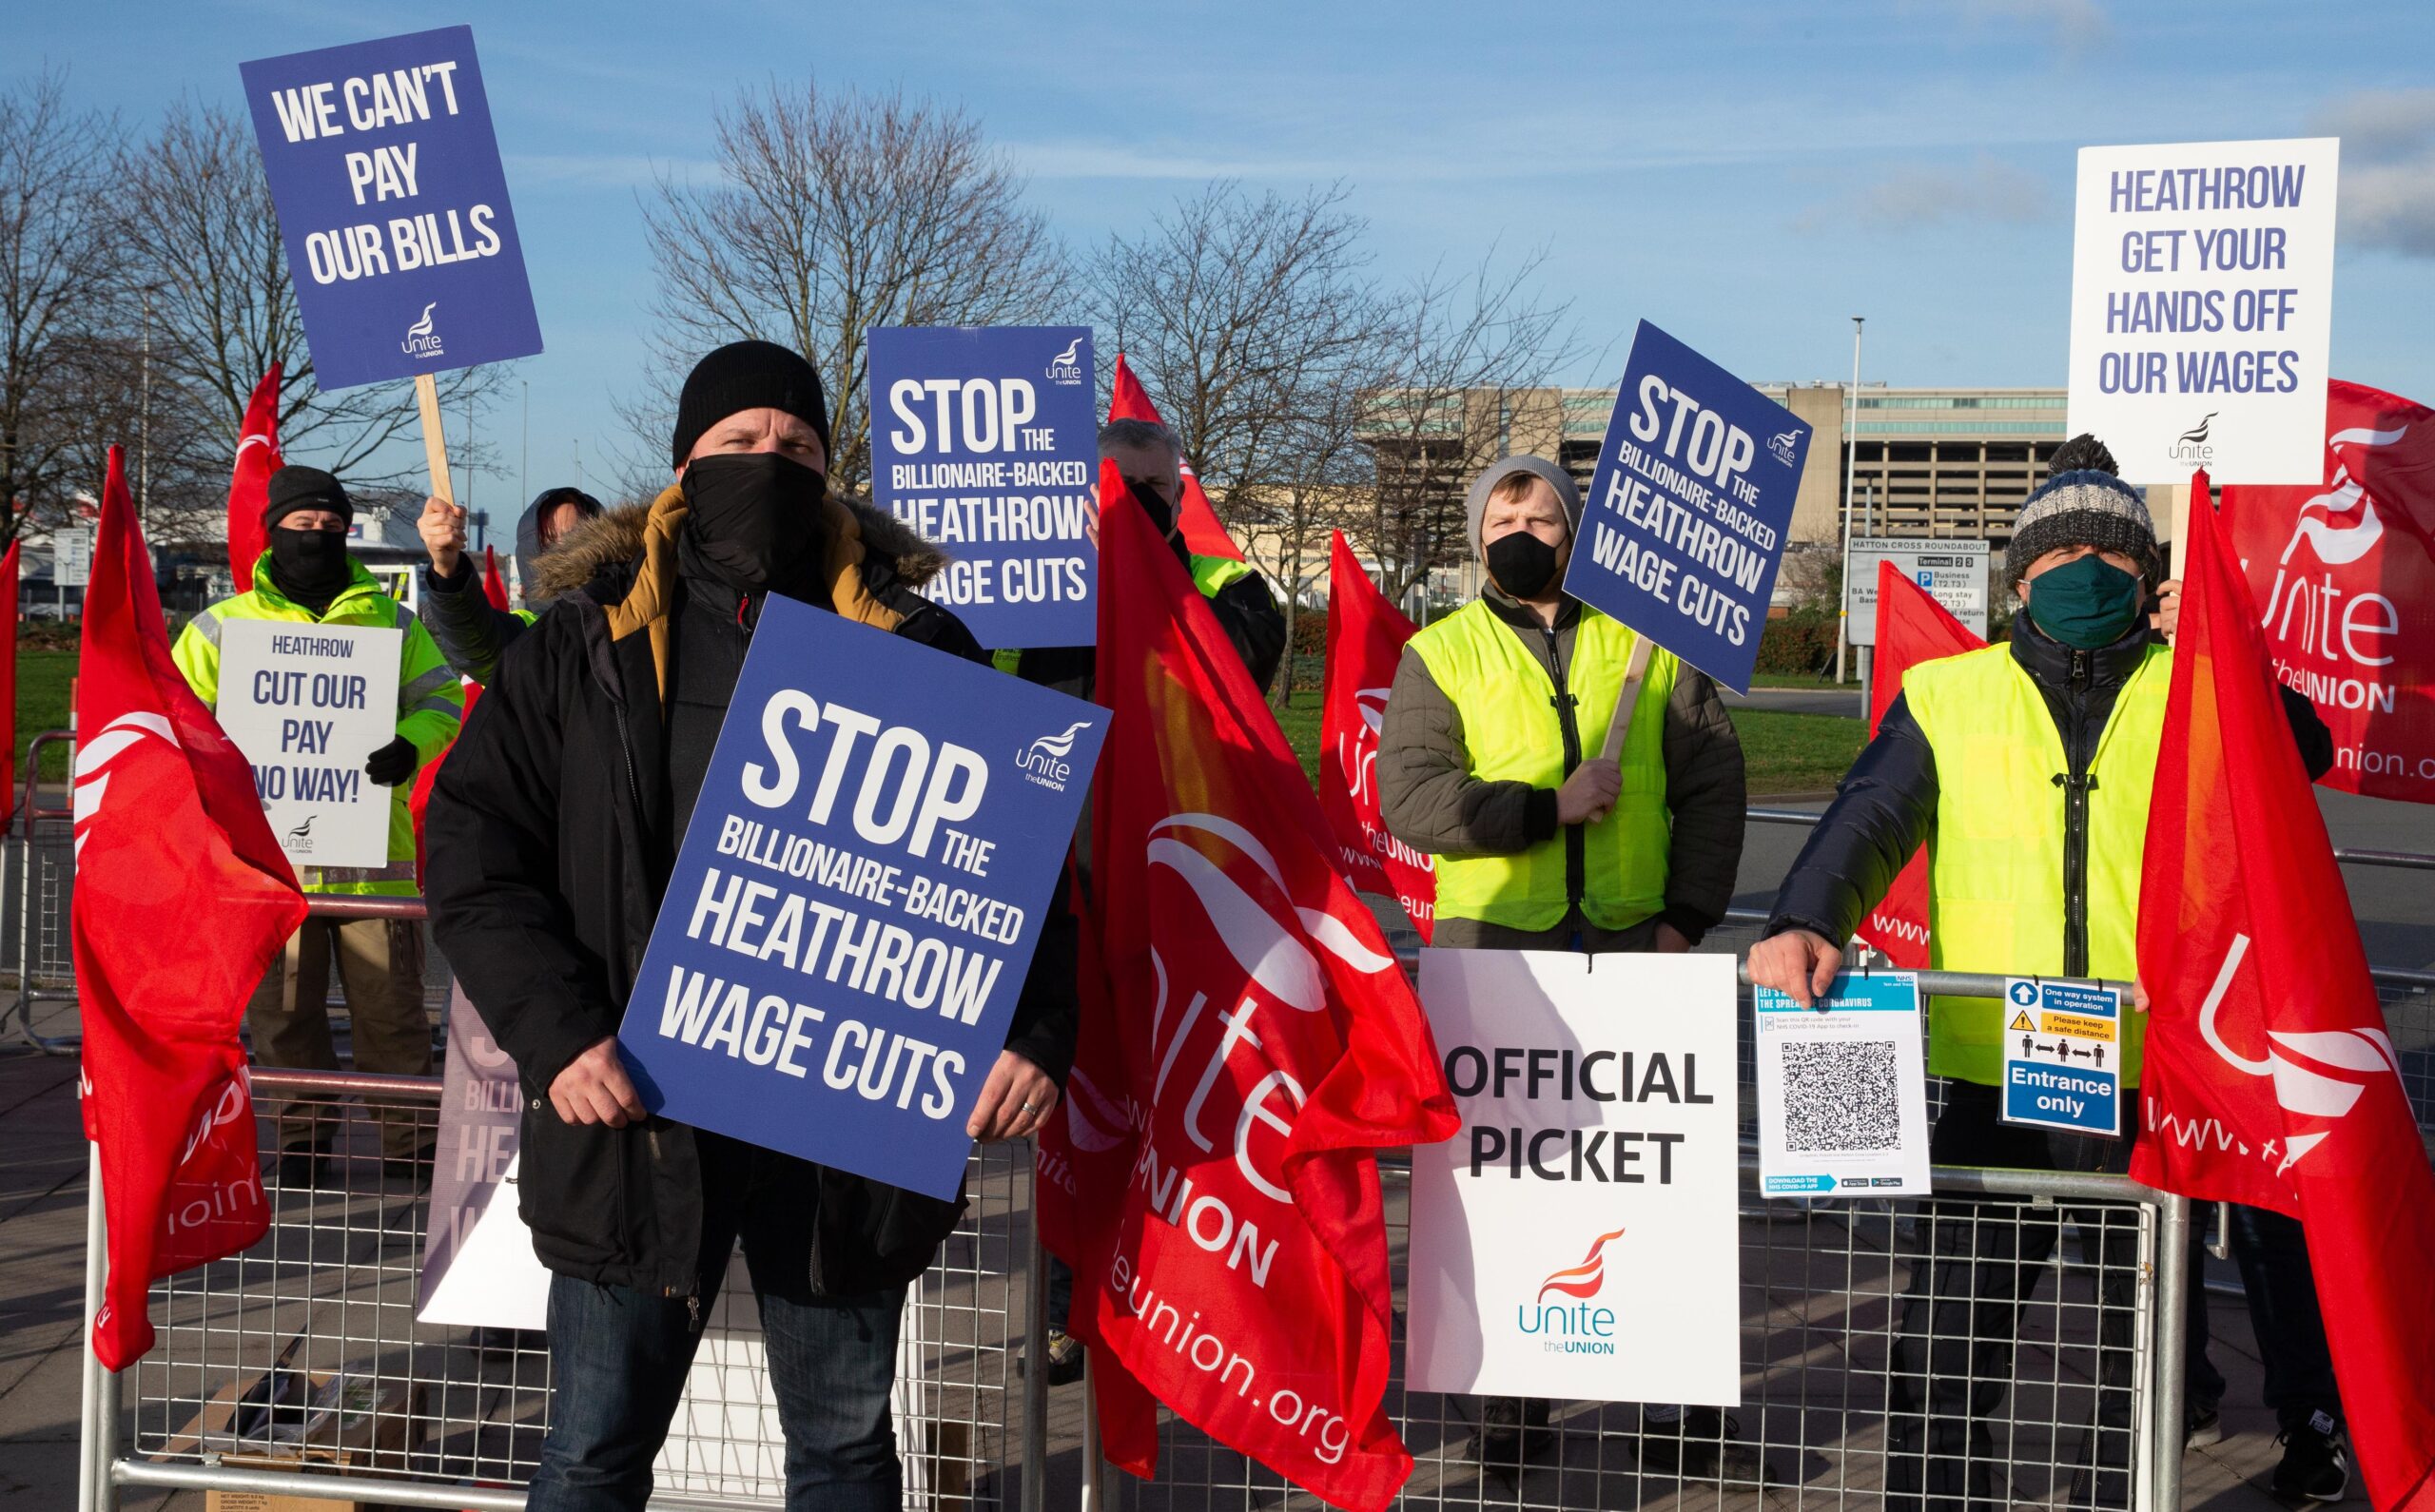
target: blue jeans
2282 1295
618 1360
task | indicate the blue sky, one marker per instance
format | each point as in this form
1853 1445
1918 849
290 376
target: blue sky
1748 175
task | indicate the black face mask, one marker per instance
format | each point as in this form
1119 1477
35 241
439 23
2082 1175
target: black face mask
309 567
1161 515
755 519
1522 563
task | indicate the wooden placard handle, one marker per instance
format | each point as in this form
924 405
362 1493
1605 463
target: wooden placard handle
435 441
1635 673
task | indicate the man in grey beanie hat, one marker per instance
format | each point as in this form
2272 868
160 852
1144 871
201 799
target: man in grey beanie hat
1488 760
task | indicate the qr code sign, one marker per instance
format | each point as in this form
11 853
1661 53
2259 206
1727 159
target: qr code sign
1841 1094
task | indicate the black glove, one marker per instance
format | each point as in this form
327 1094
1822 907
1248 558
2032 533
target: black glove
394 762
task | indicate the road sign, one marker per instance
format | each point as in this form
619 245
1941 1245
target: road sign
1954 574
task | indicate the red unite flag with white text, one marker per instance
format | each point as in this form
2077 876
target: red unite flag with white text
1248 1046
2344 576
1203 536
1911 627
2271 1076
181 900
1366 636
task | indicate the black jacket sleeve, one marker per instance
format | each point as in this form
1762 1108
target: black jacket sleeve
497 908
1882 815
1048 1014
2308 731
1248 612
471 634
1708 797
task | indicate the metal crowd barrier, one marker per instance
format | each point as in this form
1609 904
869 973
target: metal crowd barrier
455 1416
43 871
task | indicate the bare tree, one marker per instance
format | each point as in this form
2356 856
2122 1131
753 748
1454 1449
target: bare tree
197 219
1247 319
58 265
1439 393
836 211
177 463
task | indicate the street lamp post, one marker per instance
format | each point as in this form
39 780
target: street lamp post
1851 458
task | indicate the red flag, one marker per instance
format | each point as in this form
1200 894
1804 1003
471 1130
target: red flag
1250 1047
9 679
249 489
2346 573
181 900
1911 627
1366 637
494 586
1202 534
2270 1078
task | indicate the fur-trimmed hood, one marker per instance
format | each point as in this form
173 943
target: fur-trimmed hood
616 537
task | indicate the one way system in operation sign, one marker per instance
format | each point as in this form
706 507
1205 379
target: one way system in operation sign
835 967
393 207
1688 510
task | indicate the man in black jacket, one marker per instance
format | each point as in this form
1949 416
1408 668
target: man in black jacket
472 635
554 829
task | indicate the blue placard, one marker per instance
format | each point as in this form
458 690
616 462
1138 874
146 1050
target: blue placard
835 965
393 207
2062 1056
985 440
1688 510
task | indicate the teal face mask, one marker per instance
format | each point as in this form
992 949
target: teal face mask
2087 602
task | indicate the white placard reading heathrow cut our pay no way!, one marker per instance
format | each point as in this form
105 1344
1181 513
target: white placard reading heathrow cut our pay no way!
307 704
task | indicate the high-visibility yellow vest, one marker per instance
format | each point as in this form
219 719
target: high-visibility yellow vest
1209 574
1995 859
1512 732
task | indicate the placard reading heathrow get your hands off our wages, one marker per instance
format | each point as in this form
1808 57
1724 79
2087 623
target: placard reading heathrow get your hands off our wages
393 207
835 965
2202 306
1688 509
985 440
307 704
1578 1238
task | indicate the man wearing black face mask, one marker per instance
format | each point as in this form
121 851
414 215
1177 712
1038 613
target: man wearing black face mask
2026 769
307 577
554 828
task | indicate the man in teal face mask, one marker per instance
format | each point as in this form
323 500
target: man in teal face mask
2025 769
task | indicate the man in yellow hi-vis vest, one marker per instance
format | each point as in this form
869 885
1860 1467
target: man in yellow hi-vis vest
1489 759
307 576
2026 769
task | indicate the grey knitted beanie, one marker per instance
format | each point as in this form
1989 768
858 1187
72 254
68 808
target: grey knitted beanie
1568 493
2084 507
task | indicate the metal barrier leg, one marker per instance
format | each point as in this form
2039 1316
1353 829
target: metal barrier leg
1035 1450
2172 1345
1094 1496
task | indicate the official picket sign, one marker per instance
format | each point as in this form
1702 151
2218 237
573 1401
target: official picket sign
2202 306
835 967
1578 1238
393 207
1952 573
1690 508
478 1269
307 704
2062 1056
1842 1089
985 440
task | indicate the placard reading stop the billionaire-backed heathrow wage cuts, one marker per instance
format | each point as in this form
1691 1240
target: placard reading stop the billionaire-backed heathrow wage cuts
478 1269
1842 1089
393 207
985 440
2202 307
835 965
1687 513
2063 1055
307 704
1578 1238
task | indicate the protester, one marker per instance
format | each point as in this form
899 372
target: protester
470 632
1488 760
554 828
2027 768
1150 456
307 576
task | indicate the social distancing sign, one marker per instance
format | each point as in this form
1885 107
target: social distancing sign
2063 1055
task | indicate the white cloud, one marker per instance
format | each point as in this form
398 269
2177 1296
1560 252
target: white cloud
2080 26
1986 190
2388 169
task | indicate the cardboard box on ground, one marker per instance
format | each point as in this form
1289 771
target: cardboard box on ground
289 1419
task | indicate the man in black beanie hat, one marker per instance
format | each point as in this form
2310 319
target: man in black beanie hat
554 829
307 576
